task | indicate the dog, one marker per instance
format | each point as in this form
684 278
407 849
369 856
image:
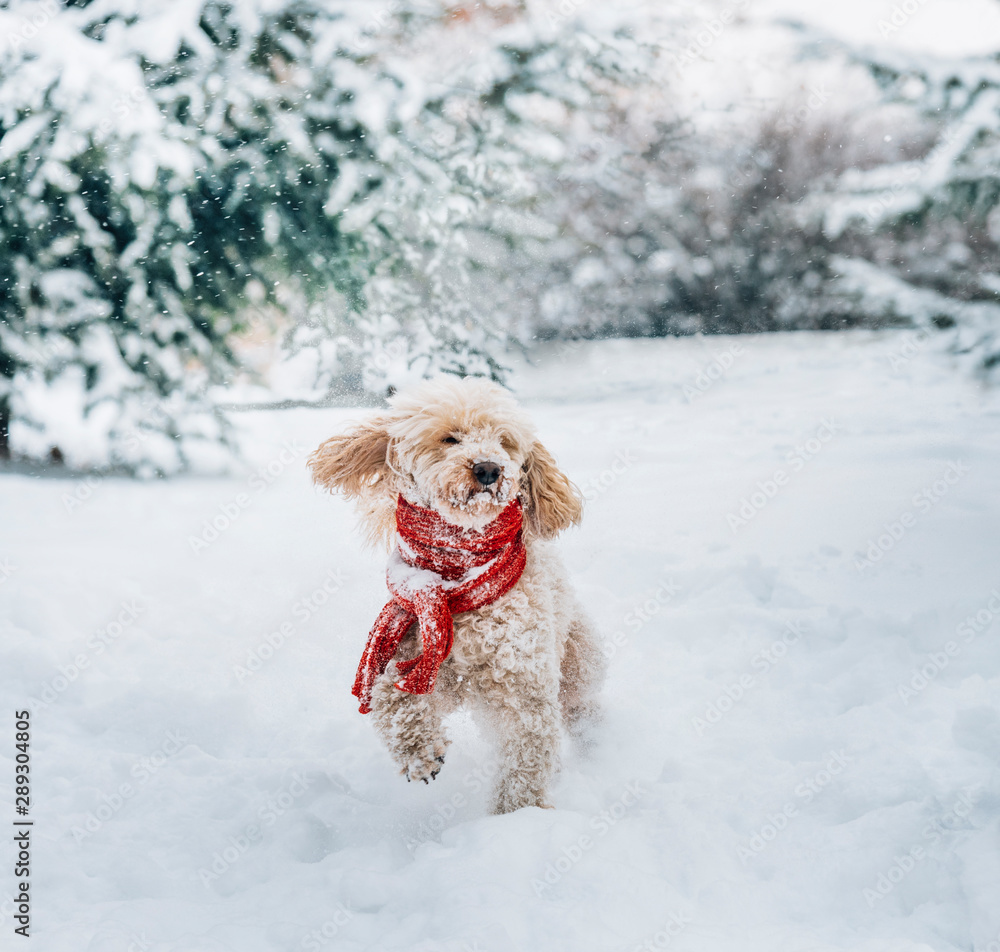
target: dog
452 478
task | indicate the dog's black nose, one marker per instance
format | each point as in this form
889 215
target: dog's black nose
486 473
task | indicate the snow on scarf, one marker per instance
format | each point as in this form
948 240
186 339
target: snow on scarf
437 571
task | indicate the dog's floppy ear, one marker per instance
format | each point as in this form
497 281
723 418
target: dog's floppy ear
357 462
553 503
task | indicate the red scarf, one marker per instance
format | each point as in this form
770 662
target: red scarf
437 571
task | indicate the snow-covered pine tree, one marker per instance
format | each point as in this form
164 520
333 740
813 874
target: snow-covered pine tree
156 165
461 230
358 169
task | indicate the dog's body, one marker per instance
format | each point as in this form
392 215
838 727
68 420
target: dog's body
524 663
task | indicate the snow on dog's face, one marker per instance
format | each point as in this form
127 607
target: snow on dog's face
460 447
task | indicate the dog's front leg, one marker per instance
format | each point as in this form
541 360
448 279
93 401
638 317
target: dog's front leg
410 726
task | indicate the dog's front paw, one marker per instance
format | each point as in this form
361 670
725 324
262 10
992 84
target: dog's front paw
424 764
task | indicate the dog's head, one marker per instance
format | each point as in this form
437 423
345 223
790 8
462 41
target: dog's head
460 447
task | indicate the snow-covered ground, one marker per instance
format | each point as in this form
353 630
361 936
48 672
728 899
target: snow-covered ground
774 549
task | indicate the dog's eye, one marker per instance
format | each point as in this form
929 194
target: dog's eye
450 439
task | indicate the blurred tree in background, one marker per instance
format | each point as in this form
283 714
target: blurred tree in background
166 168
399 189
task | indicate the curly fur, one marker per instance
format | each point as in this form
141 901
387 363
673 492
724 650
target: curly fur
527 664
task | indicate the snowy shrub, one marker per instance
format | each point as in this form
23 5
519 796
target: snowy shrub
661 226
919 239
821 213
696 233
